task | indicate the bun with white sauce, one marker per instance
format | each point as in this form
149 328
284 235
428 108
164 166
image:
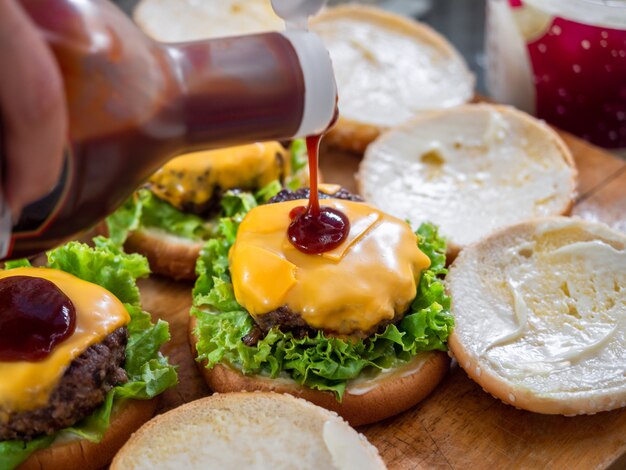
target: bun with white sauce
389 68
470 170
540 315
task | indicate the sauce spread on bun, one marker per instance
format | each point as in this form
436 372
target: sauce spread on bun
26 383
347 291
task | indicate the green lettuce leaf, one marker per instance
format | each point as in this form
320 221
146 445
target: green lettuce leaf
299 165
320 362
149 373
13 453
17 263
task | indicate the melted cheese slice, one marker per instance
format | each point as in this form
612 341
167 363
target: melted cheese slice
371 277
27 385
193 178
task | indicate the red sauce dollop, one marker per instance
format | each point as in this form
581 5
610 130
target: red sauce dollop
35 316
316 229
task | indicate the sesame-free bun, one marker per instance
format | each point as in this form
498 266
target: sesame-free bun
470 170
248 431
388 68
364 401
540 315
167 254
80 454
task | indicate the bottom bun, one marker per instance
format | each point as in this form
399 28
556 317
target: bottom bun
81 454
365 401
247 430
167 254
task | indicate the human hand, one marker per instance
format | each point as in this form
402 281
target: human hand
33 112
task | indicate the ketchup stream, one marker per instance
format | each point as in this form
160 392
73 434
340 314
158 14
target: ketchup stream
316 229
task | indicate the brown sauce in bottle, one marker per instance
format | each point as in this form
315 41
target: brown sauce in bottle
316 229
35 316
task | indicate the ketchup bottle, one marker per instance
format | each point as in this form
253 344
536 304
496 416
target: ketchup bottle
134 103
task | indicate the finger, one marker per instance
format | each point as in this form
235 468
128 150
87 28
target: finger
33 110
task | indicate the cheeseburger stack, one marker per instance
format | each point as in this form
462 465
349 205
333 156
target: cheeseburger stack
79 359
360 329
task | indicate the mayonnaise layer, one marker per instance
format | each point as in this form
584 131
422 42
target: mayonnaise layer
550 313
470 171
387 68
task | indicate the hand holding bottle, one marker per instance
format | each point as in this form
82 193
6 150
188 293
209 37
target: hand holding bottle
32 107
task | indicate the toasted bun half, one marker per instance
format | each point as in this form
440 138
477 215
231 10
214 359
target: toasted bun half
388 69
248 430
84 455
540 312
365 401
470 170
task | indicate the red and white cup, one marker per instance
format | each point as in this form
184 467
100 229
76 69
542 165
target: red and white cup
563 61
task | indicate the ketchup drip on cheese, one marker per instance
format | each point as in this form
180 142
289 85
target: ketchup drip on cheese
316 229
35 316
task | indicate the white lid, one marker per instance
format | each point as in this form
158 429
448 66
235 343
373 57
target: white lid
320 96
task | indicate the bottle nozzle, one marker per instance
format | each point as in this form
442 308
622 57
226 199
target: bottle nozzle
296 12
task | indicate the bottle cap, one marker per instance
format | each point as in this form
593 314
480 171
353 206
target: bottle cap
320 97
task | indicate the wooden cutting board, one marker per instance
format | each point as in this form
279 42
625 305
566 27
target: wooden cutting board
458 425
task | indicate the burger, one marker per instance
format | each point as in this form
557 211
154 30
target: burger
79 359
170 218
361 329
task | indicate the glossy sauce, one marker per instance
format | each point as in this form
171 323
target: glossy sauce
35 316
316 229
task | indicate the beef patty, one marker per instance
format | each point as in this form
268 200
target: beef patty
303 193
81 390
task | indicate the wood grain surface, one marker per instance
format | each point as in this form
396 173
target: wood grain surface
459 425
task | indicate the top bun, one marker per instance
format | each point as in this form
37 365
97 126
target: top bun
388 69
251 431
470 170
540 313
